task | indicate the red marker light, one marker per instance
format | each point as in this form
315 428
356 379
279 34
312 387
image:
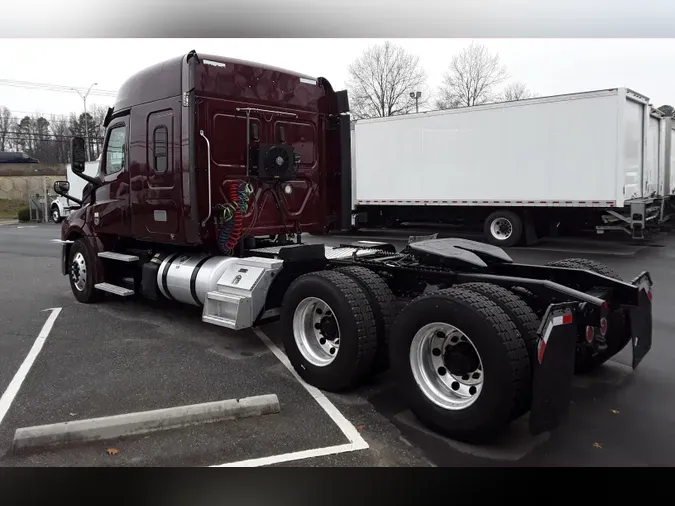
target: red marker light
540 351
589 333
649 294
567 318
603 326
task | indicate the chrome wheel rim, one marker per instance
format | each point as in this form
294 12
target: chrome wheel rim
55 215
501 229
78 271
316 331
446 366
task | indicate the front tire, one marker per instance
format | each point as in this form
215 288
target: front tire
328 330
438 378
82 273
56 215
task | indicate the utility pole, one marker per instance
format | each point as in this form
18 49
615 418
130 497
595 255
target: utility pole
86 122
45 204
416 95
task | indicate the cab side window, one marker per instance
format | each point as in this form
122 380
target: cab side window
159 146
114 157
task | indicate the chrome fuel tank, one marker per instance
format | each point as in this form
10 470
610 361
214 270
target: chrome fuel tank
187 278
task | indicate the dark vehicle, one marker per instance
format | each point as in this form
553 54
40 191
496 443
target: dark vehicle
212 170
16 157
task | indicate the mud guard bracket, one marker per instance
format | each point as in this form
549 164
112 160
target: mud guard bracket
640 319
554 367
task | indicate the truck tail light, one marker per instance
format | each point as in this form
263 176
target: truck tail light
603 326
649 294
589 333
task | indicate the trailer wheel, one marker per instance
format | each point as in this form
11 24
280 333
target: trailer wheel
460 363
524 318
617 336
328 330
56 215
503 228
81 273
382 302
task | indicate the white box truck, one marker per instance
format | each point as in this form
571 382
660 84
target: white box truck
593 159
60 206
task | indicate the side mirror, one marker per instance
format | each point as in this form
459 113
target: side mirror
78 155
61 187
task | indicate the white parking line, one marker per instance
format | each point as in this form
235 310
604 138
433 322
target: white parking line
356 441
13 388
288 457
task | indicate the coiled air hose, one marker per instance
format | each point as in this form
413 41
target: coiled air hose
233 216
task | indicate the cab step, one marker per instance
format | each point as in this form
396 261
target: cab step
220 321
114 289
120 257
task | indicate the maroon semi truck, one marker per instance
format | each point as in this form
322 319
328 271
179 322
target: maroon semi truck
214 168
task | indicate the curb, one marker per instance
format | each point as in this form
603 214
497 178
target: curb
112 427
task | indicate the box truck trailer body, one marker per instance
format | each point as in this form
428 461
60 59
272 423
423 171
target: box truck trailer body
585 152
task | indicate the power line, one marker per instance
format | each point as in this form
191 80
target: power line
47 115
26 113
19 119
42 137
54 87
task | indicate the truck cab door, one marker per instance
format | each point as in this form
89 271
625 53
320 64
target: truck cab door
111 209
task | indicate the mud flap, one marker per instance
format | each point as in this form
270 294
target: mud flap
640 319
554 368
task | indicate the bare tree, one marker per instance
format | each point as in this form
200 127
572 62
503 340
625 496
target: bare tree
471 79
6 128
516 91
22 135
98 113
60 144
668 110
381 82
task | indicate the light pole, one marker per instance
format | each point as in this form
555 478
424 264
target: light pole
86 123
416 95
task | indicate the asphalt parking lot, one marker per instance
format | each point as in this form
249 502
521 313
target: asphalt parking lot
123 356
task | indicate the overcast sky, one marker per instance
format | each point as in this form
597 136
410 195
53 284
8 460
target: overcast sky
547 66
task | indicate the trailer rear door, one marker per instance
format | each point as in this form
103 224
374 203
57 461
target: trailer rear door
663 162
634 144
651 172
670 156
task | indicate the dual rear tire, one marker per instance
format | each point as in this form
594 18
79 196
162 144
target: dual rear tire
460 357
